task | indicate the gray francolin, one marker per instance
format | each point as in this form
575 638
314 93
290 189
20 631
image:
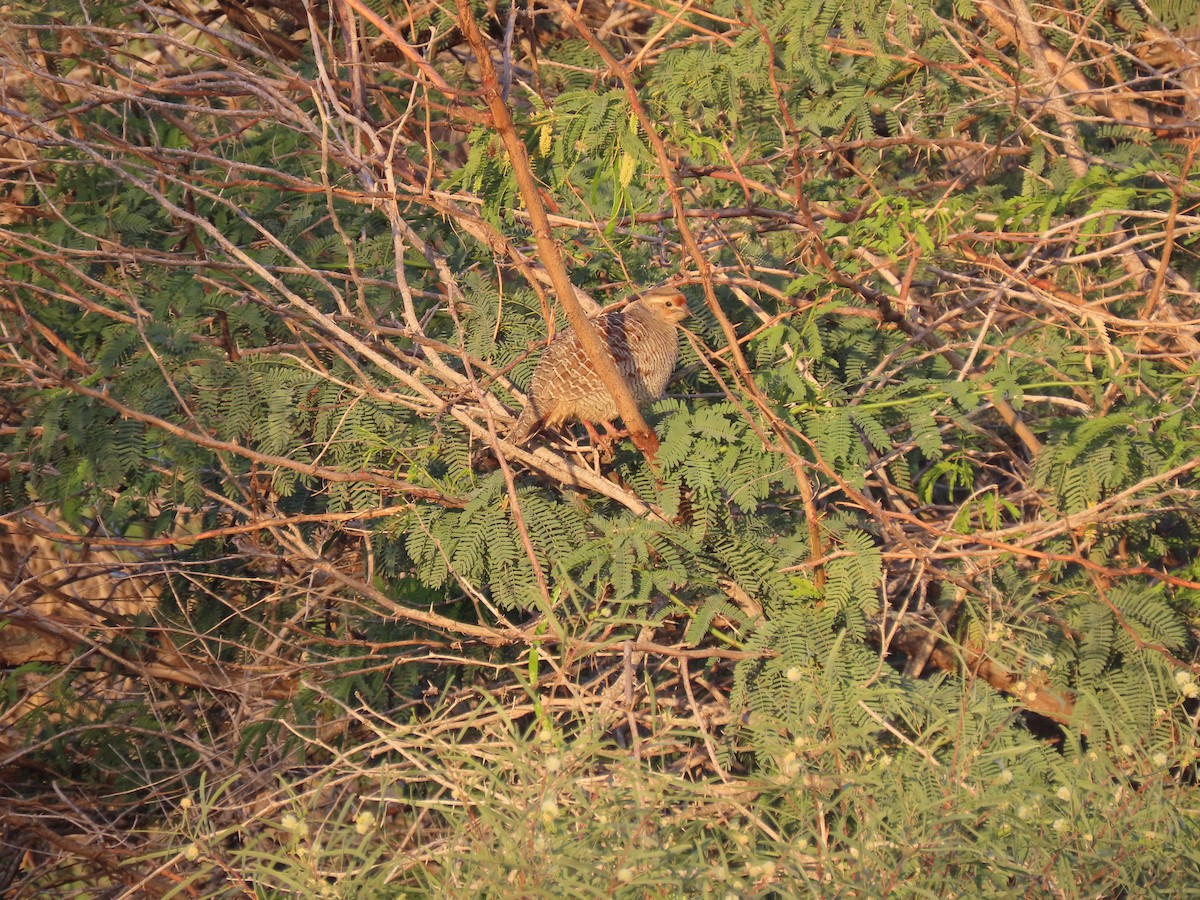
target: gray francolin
645 346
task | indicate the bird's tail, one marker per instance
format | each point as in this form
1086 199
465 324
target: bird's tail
527 425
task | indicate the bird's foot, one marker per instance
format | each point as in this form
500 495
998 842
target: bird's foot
603 443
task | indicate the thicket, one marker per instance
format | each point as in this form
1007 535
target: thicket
904 601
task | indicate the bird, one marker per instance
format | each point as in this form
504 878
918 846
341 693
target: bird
642 341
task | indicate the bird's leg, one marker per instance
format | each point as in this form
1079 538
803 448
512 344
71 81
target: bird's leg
613 433
611 436
605 441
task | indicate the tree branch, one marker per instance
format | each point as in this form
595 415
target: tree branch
597 353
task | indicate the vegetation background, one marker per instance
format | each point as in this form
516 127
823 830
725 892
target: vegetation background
905 602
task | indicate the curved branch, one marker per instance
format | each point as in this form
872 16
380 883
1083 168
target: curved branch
598 355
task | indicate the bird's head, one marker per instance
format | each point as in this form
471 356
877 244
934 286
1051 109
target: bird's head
666 303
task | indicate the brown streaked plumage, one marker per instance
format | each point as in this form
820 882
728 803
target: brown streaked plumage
645 346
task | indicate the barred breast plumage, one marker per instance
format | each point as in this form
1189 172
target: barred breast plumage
645 346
